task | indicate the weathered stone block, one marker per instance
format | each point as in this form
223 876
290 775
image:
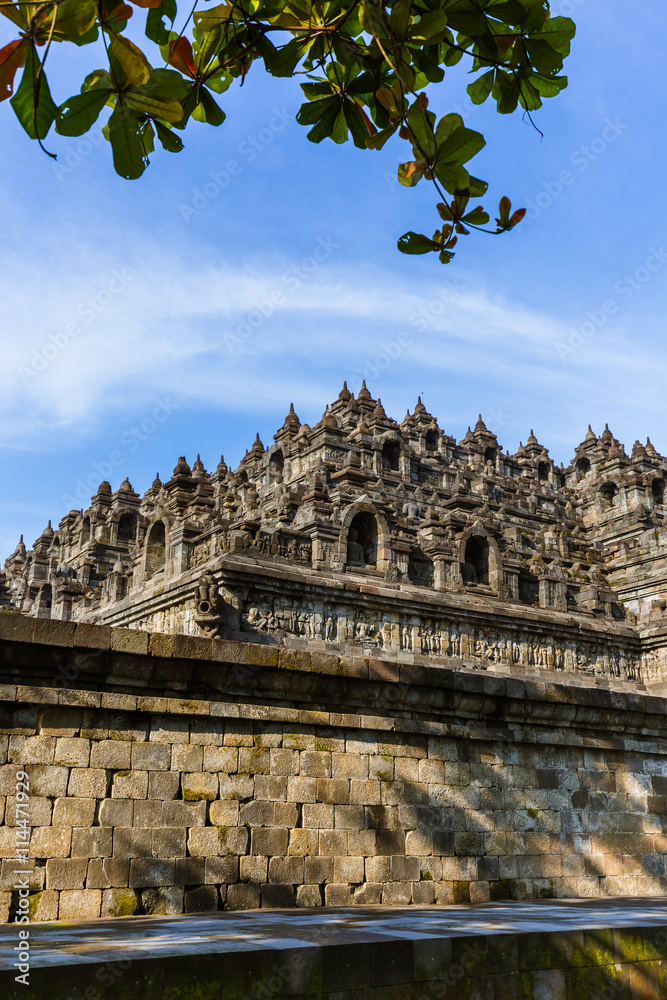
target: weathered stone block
116 812
337 894
186 757
150 757
147 812
301 789
151 872
131 842
162 901
349 817
257 813
269 842
168 842
318 870
236 786
308 895
31 749
221 870
199 785
40 811
66 873
318 816
253 869
87 783
184 813
43 905
79 904
45 779
303 842
163 784
50 842
225 813
349 869
286 870
201 900
284 762
242 897
95 842
315 764
120 903
107 873
71 812
129 785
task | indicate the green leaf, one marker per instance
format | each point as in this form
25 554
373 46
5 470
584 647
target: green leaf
124 131
431 27
416 243
135 65
558 32
74 18
476 187
328 118
170 141
156 30
146 103
478 217
354 120
286 58
166 83
35 111
480 88
452 176
421 128
99 79
378 140
446 126
461 146
80 112
549 87
207 109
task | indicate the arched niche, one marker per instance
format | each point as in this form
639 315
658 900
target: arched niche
362 540
277 463
127 528
85 530
658 491
490 455
155 549
479 559
391 453
609 495
364 537
529 588
44 601
582 467
431 439
543 471
475 565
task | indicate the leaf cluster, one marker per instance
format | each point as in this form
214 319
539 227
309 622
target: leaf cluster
365 64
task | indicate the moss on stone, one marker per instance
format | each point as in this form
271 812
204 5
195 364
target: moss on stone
125 903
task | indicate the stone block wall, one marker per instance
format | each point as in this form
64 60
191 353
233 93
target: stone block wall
232 776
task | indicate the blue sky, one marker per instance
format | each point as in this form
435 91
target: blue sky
183 312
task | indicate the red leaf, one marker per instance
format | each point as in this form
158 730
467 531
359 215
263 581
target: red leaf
12 57
123 12
517 216
146 3
182 57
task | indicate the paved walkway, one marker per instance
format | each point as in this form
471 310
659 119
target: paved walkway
57 944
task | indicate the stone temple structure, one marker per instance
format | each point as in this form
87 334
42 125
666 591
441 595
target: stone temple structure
362 533
371 665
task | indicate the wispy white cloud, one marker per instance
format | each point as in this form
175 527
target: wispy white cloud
255 336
